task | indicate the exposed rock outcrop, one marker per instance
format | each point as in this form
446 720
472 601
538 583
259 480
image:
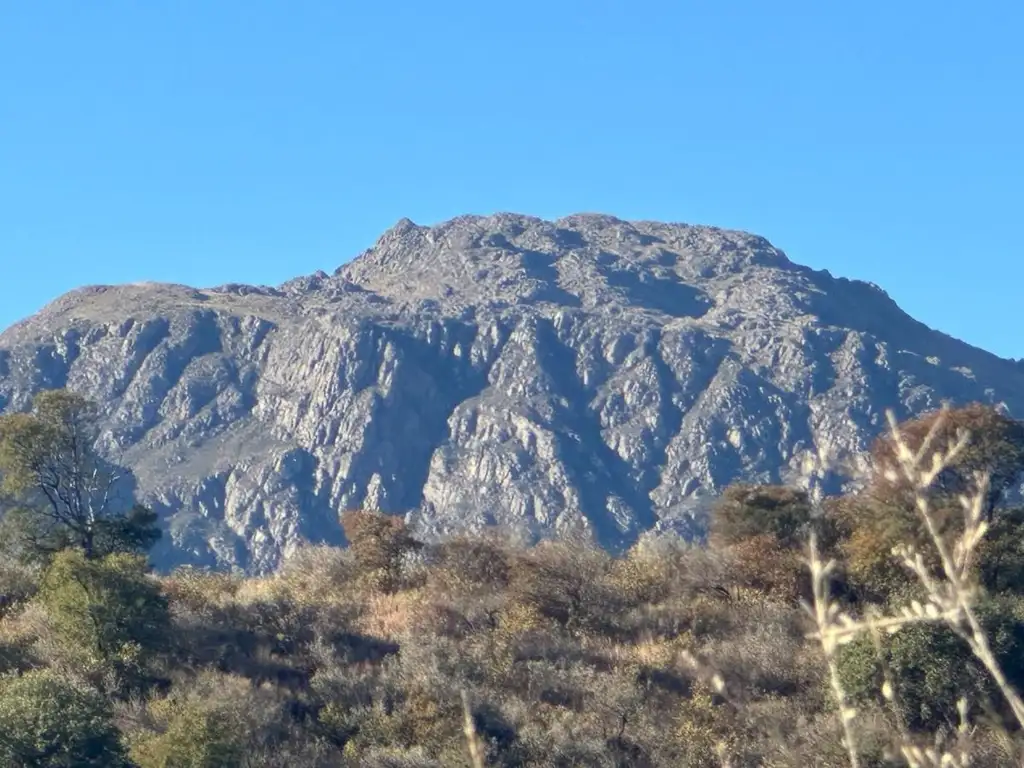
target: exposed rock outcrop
583 374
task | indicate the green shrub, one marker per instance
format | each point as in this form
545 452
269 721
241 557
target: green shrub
192 736
46 720
932 668
220 720
1001 553
105 612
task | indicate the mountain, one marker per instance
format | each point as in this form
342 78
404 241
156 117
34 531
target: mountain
583 374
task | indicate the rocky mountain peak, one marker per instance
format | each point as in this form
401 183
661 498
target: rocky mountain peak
584 260
583 374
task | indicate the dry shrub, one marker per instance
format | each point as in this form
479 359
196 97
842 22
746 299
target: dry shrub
653 653
643 577
802 737
199 589
19 583
394 757
319 575
767 658
471 564
568 584
27 640
760 563
396 614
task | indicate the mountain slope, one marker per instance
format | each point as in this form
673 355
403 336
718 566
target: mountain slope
583 374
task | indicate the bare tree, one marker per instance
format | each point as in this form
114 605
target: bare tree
50 468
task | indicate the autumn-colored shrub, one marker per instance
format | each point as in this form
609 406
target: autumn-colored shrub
380 544
764 530
995 448
760 563
473 563
885 512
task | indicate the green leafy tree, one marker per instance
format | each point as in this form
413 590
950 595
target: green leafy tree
62 492
46 720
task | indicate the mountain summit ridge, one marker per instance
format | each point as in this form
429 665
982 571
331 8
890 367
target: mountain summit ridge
583 374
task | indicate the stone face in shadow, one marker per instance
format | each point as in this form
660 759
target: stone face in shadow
541 267
658 293
567 238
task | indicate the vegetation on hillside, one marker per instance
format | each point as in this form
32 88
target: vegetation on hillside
885 627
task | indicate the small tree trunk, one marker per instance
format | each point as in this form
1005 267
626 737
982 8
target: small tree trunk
88 546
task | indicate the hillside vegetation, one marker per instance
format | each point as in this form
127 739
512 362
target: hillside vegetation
884 627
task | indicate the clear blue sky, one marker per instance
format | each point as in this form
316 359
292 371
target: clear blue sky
206 142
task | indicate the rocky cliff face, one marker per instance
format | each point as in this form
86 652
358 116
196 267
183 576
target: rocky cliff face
583 374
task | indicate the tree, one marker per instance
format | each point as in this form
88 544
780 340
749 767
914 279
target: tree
884 513
995 449
65 493
748 511
380 544
1001 553
47 720
764 529
931 668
